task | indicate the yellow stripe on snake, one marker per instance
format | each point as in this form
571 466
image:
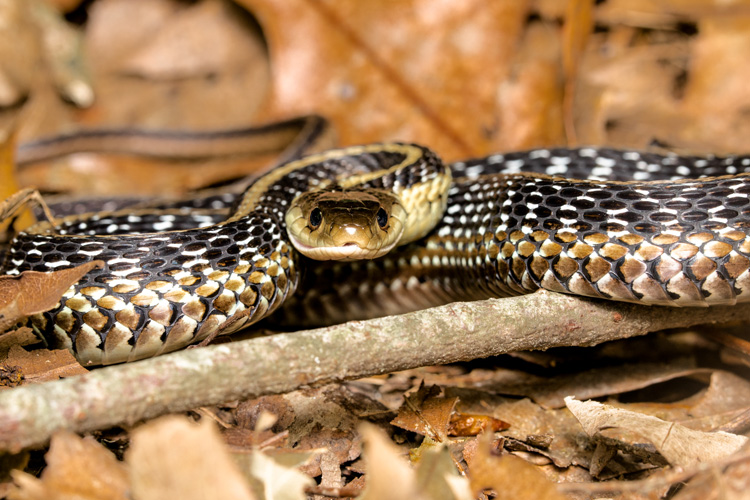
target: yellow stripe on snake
505 225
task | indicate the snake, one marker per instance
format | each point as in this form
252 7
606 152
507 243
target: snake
400 231
166 283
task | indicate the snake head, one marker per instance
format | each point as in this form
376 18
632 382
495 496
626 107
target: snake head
348 224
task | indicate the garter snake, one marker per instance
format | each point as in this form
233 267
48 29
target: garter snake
514 223
163 287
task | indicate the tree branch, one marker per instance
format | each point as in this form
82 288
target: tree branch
281 363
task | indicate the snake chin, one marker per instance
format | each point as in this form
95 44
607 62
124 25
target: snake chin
347 252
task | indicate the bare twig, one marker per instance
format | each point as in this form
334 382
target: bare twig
281 363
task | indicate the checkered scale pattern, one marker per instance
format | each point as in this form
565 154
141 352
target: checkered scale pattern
172 278
515 224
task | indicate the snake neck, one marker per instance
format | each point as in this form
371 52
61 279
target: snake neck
412 173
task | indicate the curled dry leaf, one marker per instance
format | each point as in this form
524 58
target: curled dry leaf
679 445
33 292
77 468
426 413
174 458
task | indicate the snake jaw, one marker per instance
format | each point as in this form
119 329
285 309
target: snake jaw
347 252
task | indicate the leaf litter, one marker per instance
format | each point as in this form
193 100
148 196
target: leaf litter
467 79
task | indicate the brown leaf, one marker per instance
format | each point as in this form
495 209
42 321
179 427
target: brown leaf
401 70
533 426
532 113
600 381
271 479
576 30
438 478
731 483
511 477
174 458
33 292
678 444
43 364
80 469
19 54
388 473
9 182
19 336
195 42
9 462
425 413
468 424
214 63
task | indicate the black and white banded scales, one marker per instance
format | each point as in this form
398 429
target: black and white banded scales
640 227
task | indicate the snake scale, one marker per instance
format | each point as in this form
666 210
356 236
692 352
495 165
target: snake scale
605 223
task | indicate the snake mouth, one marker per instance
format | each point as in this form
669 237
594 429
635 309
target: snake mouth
346 252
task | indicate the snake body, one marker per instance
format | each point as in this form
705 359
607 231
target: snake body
516 223
163 290
513 224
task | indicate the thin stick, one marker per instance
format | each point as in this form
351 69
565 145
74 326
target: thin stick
270 365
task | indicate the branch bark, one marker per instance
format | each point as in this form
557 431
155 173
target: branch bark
281 363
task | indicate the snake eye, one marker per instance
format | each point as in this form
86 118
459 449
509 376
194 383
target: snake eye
382 217
316 217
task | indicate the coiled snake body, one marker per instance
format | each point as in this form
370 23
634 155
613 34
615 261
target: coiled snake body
513 225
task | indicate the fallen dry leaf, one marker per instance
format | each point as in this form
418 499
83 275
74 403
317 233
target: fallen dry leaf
438 478
324 421
511 477
77 468
172 457
20 336
576 31
608 380
395 70
713 102
732 483
63 54
8 463
388 473
426 413
274 480
678 444
19 52
41 365
200 65
532 98
33 292
467 424
8 183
